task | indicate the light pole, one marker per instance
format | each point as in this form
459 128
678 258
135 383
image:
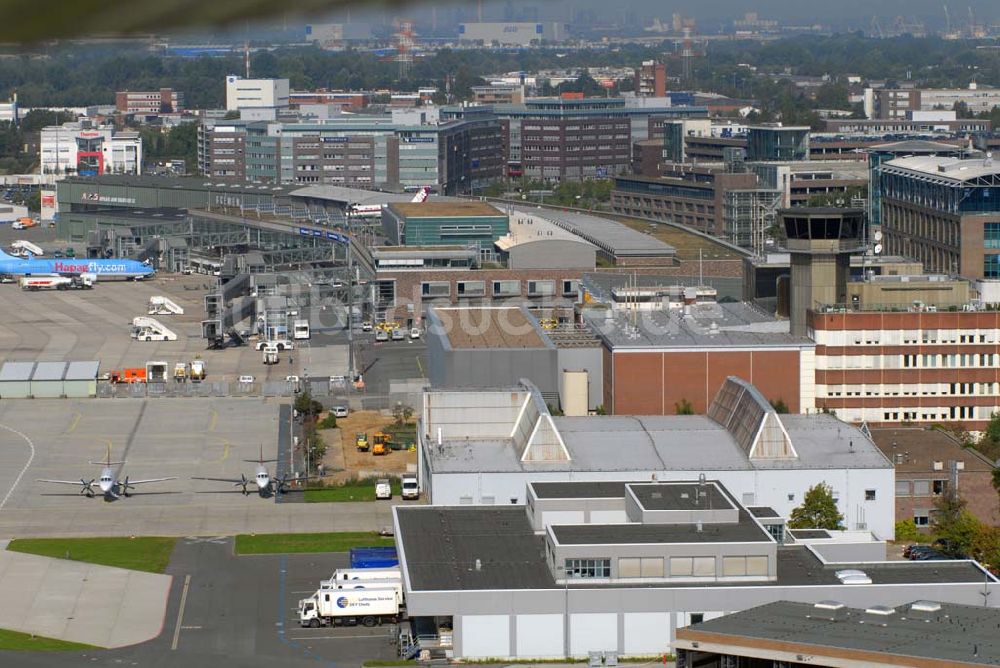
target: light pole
565 574
350 292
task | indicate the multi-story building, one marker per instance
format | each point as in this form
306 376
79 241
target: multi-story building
944 212
890 364
163 101
89 150
907 126
708 199
460 155
651 79
498 93
559 138
769 143
255 93
901 103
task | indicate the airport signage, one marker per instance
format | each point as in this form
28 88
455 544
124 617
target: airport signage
106 199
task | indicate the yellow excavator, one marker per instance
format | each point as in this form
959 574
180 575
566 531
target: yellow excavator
381 442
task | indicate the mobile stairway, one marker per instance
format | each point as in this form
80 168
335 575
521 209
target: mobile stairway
159 305
150 329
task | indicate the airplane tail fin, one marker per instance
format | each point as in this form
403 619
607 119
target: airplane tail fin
261 460
421 195
107 462
5 256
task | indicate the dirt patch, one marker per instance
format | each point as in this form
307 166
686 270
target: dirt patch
364 464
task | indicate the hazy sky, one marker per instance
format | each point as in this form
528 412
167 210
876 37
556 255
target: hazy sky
851 12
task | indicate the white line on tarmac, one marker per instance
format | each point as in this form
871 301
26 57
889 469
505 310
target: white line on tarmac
333 637
20 475
180 612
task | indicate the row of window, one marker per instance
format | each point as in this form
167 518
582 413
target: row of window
511 288
653 567
921 487
932 361
950 413
906 336
928 390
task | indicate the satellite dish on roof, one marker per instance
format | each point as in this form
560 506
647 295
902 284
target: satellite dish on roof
878 248
877 236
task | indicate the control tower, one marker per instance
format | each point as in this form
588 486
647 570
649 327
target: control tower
820 242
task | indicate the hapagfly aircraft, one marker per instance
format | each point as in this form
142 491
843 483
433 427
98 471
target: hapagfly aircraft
111 488
102 269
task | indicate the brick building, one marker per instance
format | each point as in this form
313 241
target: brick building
929 463
651 79
655 360
163 101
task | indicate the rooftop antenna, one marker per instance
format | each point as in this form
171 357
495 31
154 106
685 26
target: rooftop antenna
246 57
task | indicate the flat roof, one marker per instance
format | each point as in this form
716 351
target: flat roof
440 545
943 169
201 183
344 195
490 328
49 371
946 632
743 531
83 370
616 238
681 496
706 324
438 209
762 512
16 371
526 228
579 490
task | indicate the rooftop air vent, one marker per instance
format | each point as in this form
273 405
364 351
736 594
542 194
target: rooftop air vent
925 606
853 577
829 610
880 610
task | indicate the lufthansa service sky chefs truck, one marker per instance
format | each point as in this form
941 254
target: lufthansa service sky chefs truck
349 607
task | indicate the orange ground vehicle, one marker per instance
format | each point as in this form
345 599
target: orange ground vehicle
381 443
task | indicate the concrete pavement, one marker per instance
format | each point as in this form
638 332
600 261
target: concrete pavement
92 517
79 602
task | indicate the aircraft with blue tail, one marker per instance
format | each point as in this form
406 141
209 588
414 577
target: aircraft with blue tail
101 268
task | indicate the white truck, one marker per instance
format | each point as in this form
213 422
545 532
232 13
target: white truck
55 282
300 329
395 586
342 574
270 353
410 488
349 607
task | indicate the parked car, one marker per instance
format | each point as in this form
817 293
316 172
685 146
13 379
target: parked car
383 490
415 333
366 326
339 411
397 335
246 379
381 335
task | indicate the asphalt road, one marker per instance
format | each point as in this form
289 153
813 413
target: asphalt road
229 612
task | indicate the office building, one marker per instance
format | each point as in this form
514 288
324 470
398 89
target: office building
874 632
560 138
88 149
909 126
460 155
255 93
770 143
163 101
943 212
903 103
710 199
651 79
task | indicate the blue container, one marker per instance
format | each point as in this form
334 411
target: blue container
374 557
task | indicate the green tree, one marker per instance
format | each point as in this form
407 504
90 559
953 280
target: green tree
779 405
907 532
952 523
818 510
306 406
684 407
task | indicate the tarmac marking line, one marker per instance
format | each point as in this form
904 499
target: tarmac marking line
76 421
180 611
214 420
31 458
419 365
350 637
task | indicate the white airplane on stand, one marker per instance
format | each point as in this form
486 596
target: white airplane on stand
375 210
110 487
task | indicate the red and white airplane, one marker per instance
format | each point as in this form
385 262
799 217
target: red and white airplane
375 210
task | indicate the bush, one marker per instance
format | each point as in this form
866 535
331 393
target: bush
329 422
907 532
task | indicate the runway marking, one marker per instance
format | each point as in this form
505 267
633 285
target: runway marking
180 611
419 365
76 421
215 419
20 475
226 446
